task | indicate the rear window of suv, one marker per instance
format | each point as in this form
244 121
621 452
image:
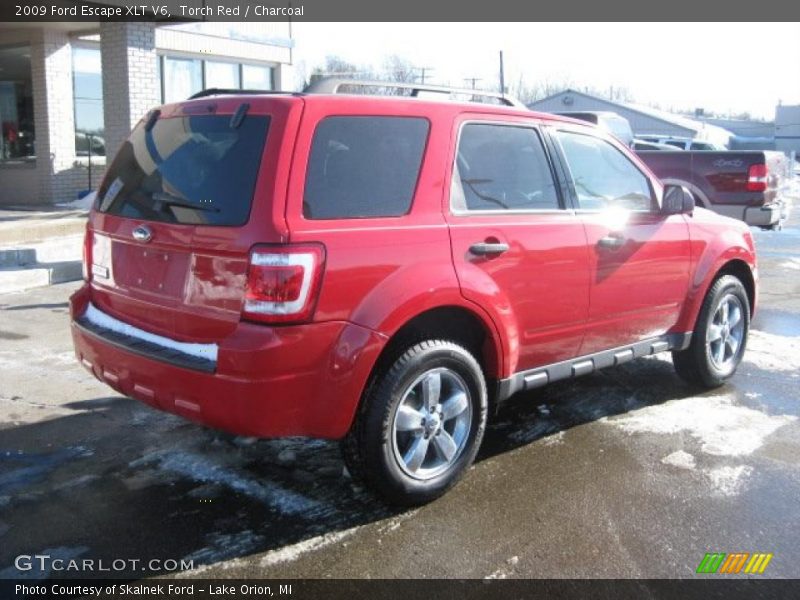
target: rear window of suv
195 170
364 167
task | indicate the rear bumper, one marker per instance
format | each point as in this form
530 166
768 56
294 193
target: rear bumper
267 382
767 215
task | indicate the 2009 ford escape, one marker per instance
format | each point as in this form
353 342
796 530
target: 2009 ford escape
380 270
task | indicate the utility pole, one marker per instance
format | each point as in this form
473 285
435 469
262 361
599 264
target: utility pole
502 76
472 81
423 70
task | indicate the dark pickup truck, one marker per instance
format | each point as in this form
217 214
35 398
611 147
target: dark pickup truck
745 185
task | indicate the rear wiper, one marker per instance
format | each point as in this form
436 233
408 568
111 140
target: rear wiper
168 199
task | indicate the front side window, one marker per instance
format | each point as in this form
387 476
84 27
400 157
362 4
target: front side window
603 176
364 167
501 167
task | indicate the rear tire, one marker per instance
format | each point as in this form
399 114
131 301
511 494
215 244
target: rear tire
420 425
720 335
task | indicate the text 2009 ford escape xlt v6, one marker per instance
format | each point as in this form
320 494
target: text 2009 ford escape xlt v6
378 270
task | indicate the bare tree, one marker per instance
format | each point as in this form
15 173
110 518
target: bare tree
398 70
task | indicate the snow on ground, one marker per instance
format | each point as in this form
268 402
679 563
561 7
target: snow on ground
793 264
721 427
230 551
771 352
729 481
210 470
680 459
84 203
295 551
224 546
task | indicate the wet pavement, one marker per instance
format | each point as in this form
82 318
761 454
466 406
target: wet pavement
625 473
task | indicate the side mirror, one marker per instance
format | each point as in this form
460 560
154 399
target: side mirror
677 200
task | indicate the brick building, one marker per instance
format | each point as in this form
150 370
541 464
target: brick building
71 92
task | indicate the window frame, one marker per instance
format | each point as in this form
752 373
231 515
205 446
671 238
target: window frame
546 148
655 201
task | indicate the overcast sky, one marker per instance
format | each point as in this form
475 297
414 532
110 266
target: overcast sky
723 67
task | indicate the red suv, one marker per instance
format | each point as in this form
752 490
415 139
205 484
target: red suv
382 270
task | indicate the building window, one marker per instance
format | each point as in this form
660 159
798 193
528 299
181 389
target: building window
87 83
256 77
182 78
222 75
16 104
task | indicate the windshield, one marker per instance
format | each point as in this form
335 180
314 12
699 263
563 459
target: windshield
196 170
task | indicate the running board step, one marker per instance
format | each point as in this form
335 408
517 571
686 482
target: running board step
583 365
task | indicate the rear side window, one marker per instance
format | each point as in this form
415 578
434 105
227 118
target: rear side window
364 167
501 167
191 170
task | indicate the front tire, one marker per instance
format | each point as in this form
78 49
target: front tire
421 424
720 335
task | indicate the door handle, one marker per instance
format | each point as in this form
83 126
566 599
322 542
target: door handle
611 241
483 248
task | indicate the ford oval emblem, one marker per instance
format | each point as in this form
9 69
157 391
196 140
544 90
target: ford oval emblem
142 234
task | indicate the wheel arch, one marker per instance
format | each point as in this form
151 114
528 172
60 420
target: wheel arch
741 270
452 322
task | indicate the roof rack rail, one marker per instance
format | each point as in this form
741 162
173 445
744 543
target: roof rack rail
223 91
332 85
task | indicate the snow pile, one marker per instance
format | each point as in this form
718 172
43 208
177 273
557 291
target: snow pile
84 203
680 459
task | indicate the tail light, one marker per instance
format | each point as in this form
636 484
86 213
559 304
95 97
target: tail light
757 178
87 254
283 283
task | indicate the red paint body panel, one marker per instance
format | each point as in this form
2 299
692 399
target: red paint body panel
716 242
551 297
638 289
270 382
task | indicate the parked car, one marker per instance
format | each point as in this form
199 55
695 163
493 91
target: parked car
644 145
682 143
384 270
743 184
85 141
615 124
